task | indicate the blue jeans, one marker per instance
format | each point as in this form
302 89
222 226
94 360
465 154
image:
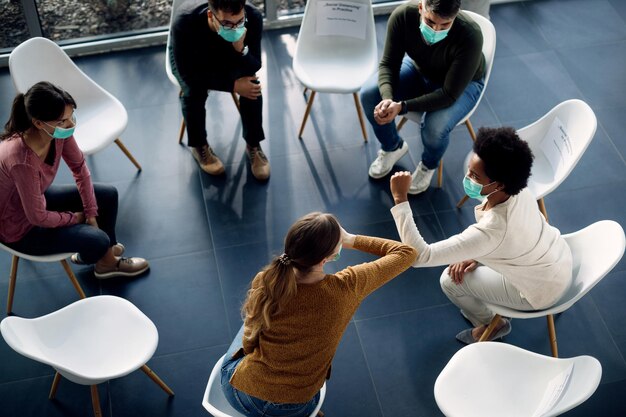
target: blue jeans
435 126
252 406
91 243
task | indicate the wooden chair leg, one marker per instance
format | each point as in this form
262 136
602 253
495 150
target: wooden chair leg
119 143
440 174
470 128
236 100
12 278
72 277
95 401
542 208
462 201
489 329
402 123
157 380
306 113
181 132
55 385
359 112
552 335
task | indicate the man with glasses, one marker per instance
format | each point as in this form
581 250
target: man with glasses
432 63
217 46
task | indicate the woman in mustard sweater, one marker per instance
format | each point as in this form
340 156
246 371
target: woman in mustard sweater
295 315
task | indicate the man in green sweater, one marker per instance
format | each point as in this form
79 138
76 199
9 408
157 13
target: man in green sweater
432 63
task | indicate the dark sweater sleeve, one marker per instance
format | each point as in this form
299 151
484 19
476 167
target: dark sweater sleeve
390 63
467 59
251 62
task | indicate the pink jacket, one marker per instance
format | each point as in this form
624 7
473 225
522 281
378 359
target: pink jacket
24 178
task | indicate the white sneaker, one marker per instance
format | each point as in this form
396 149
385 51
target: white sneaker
385 161
420 180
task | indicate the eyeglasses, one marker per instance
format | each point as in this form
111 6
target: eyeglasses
62 121
230 25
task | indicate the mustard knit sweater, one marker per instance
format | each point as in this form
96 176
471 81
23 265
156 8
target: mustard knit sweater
292 358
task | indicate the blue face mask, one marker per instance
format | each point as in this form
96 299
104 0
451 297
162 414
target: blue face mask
430 35
474 190
61 132
231 35
338 255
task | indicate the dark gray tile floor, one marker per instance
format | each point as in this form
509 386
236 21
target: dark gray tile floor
206 237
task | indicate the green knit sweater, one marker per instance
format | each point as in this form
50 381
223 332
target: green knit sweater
452 63
290 360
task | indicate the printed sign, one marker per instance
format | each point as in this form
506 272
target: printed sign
557 145
553 392
343 18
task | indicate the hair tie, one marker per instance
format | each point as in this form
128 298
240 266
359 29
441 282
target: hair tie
284 259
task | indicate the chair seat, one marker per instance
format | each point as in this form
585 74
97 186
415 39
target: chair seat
55 257
328 76
496 379
88 342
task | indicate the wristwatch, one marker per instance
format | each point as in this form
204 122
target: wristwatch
244 52
404 110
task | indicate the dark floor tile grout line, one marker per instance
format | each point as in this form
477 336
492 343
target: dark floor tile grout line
608 331
34 378
369 370
413 310
612 142
182 352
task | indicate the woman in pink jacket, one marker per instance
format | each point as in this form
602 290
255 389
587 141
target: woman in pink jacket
39 218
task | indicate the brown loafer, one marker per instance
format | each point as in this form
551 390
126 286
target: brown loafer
125 267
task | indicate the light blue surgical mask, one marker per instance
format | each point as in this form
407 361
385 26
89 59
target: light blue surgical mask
231 35
338 255
62 132
474 190
430 35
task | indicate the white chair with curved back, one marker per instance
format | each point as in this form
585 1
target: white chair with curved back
489 51
596 249
59 257
101 117
176 4
88 342
494 379
335 63
216 403
579 122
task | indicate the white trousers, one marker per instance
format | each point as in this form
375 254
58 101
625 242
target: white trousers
480 286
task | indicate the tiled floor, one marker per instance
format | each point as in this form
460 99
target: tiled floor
206 237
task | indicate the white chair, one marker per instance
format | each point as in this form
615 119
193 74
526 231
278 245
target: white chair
88 342
496 379
334 63
216 403
101 117
176 4
580 122
489 51
59 257
596 249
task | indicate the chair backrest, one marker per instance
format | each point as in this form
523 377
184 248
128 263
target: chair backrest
89 341
336 50
489 51
490 379
101 117
579 121
216 403
596 250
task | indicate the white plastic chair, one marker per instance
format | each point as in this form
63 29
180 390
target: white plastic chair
334 63
216 403
59 257
489 51
596 249
101 117
580 122
176 4
496 379
88 342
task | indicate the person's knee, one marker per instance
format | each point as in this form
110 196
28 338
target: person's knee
94 244
448 286
370 97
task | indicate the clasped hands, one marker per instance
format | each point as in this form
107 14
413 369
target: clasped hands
386 111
